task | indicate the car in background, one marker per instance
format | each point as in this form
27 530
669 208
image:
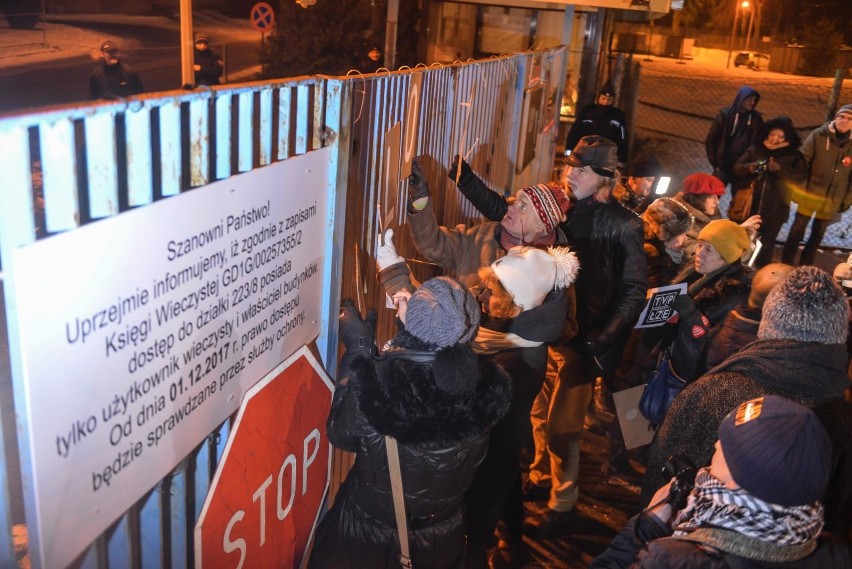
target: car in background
752 60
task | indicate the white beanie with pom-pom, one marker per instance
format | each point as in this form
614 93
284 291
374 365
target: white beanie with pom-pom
529 274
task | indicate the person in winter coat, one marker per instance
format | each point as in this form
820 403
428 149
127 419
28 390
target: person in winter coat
440 401
828 154
716 283
532 219
733 130
603 119
774 168
800 354
700 197
666 222
610 292
740 325
524 307
208 65
637 192
112 78
757 504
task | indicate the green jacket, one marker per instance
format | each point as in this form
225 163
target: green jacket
829 187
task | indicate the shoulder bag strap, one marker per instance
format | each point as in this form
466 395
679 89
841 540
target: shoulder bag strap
398 501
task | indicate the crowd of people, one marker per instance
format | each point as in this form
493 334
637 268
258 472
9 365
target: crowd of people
752 464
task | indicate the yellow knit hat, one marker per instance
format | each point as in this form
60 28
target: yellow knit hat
728 238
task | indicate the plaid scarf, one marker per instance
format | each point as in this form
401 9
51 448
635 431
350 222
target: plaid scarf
712 505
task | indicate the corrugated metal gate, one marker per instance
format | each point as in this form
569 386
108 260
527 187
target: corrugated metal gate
98 160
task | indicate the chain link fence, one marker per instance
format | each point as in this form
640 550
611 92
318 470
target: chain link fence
674 112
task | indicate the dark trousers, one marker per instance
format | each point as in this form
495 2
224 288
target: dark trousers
496 490
768 234
797 231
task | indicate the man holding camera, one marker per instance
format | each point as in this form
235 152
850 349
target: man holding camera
756 505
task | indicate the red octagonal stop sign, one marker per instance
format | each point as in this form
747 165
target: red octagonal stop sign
267 493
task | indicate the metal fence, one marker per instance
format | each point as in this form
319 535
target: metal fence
94 161
674 113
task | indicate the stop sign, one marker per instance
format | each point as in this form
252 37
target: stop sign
266 496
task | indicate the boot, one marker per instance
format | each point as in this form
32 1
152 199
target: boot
550 525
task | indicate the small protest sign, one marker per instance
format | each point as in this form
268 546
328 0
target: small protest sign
659 307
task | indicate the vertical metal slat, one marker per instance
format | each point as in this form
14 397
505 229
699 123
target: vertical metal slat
199 142
101 162
59 171
244 132
170 148
223 136
265 132
140 183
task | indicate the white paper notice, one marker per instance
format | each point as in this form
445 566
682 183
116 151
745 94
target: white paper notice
140 334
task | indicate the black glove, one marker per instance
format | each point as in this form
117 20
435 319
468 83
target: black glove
418 188
466 175
356 333
683 304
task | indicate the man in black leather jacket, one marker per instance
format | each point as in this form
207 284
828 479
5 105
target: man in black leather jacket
610 288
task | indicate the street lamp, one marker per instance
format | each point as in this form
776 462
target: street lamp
750 23
744 5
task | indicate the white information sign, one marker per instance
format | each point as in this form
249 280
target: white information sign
140 334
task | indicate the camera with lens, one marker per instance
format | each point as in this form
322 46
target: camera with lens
683 471
760 167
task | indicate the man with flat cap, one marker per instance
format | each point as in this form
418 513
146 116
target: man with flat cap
112 79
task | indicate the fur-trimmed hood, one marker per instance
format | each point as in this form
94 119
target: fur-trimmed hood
399 396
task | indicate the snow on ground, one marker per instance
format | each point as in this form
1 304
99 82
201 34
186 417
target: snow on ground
54 40
713 62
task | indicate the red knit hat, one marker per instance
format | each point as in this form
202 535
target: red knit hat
703 184
550 203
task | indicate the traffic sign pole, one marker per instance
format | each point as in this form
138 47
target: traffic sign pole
262 17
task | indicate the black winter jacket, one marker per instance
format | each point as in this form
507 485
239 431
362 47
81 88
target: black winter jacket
113 81
604 120
442 440
772 190
613 279
689 337
211 67
732 132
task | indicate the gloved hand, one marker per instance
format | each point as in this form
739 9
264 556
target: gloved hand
386 254
466 173
356 333
418 188
683 304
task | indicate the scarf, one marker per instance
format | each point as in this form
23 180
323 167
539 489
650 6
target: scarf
768 146
737 522
489 341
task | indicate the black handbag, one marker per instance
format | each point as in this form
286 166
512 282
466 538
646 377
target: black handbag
660 390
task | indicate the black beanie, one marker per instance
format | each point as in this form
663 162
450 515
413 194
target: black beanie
777 450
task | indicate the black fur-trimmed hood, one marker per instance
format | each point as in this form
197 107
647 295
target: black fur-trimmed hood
399 396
